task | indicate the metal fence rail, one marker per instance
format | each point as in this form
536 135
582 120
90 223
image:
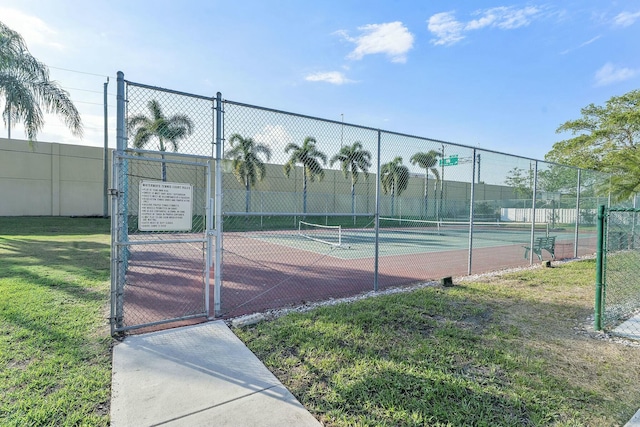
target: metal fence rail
408 208
618 299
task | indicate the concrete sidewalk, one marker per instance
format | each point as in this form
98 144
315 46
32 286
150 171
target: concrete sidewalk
200 375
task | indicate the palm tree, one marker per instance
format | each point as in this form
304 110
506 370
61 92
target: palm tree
247 165
353 159
26 89
394 177
427 161
308 155
168 130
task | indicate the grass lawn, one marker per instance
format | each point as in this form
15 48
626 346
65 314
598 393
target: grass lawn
513 350
55 358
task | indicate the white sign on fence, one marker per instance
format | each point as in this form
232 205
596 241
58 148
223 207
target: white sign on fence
165 206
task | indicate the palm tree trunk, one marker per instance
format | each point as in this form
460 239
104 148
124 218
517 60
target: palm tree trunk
164 165
353 201
247 196
304 193
441 200
164 169
393 194
426 184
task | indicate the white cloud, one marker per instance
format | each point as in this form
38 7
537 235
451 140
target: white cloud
587 43
610 74
511 18
486 20
391 38
626 19
333 77
275 136
449 31
33 29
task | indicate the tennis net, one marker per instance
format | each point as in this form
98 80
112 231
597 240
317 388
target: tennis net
327 234
481 229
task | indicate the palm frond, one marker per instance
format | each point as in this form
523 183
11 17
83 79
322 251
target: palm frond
26 87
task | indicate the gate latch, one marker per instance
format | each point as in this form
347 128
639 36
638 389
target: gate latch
113 192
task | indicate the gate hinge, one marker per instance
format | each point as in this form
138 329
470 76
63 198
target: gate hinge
113 192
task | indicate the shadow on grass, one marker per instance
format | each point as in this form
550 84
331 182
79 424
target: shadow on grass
461 356
54 292
38 225
421 397
53 287
68 266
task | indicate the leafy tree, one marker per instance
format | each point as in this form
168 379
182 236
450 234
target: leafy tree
353 159
247 166
558 179
26 89
427 161
309 157
394 177
606 139
521 182
167 130
626 182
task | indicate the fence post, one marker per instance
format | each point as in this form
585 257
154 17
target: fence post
121 184
599 267
217 273
207 230
116 313
105 175
575 236
471 210
533 210
377 223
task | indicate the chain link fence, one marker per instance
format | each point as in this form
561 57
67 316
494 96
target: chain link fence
620 300
312 209
161 207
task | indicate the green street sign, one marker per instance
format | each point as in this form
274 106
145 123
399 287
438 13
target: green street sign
449 161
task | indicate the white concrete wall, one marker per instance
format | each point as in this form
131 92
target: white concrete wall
562 216
50 179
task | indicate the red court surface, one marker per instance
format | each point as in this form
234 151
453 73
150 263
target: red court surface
166 281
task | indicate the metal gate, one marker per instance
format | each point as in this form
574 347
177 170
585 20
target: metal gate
161 239
618 260
164 220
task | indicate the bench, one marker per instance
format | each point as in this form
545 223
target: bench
540 243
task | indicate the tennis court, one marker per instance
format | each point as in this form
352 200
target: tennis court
267 270
306 233
407 236
282 268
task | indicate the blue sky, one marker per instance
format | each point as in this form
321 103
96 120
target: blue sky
500 75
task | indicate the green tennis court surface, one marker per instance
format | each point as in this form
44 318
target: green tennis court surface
359 243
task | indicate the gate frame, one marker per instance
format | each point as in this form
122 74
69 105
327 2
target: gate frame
119 226
602 254
120 236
